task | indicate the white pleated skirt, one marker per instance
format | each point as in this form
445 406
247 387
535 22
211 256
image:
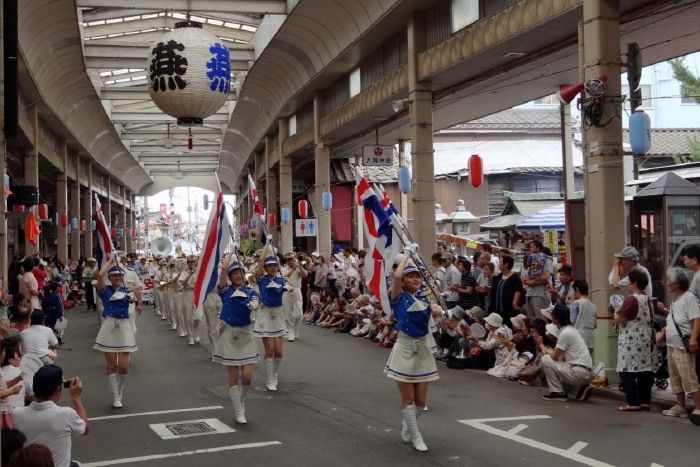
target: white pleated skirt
269 322
236 347
116 336
411 360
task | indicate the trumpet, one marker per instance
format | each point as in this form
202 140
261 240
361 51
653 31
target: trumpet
250 279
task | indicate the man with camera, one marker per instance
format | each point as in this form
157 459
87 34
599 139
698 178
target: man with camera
44 422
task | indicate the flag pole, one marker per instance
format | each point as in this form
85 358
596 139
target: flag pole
415 256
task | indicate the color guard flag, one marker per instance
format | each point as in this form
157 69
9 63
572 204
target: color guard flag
104 239
31 228
216 241
258 212
383 243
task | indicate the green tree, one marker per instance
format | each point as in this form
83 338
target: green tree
690 84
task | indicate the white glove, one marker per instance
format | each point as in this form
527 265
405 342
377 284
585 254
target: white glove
269 237
251 306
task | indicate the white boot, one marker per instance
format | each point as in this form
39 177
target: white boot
290 334
405 432
297 327
409 417
114 386
122 380
239 410
276 368
270 374
244 394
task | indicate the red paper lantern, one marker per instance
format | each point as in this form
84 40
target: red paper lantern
64 219
43 211
476 170
114 231
133 233
303 208
271 219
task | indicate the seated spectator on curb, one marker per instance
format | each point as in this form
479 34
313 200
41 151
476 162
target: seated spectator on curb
38 340
584 313
448 331
21 319
482 351
44 422
569 363
520 350
10 371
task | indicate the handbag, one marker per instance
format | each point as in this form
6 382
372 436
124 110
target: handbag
685 339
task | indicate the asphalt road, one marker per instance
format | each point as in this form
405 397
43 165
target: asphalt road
335 407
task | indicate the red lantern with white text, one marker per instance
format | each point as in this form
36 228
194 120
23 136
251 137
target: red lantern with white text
43 212
114 231
476 170
64 220
303 209
271 219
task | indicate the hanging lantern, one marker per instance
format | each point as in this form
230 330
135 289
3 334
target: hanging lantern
134 234
82 225
93 224
286 216
74 223
43 211
189 73
249 223
404 180
303 209
64 220
327 200
113 231
254 223
120 232
271 219
640 132
476 170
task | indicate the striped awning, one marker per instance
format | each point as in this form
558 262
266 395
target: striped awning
546 219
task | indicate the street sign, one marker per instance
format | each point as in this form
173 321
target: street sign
550 239
306 227
377 155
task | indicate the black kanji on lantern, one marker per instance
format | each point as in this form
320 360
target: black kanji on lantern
168 63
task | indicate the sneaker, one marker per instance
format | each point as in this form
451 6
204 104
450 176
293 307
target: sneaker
499 372
525 383
676 411
556 396
584 393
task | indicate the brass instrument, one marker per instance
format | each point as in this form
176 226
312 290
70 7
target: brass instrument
302 258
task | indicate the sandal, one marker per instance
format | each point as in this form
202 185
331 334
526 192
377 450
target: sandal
645 407
629 408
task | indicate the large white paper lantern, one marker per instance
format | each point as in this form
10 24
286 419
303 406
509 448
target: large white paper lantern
189 73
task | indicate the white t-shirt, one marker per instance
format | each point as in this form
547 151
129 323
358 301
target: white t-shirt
575 350
683 311
624 282
17 400
36 340
48 424
695 284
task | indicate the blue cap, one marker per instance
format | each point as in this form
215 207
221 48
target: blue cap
409 268
271 260
116 270
46 380
233 266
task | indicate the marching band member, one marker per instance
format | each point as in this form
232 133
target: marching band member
236 348
178 292
411 362
170 278
191 323
269 320
159 277
292 301
116 337
212 306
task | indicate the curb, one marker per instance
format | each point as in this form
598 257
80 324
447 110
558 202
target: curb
613 394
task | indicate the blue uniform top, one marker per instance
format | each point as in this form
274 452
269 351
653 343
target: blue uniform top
234 310
414 322
115 308
270 294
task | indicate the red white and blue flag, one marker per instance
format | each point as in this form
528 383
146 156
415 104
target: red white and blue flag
104 239
383 243
216 241
258 212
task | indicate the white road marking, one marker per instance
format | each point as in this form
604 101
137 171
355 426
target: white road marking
159 412
577 447
517 429
129 460
574 456
164 432
654 464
